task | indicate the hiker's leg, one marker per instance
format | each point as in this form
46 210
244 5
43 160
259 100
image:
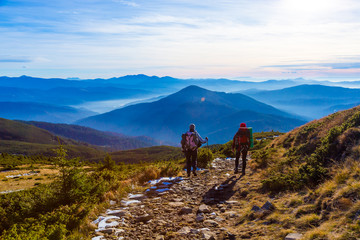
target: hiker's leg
237 156
194 161
244 153
188 162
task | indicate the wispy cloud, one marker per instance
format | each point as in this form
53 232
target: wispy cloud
14 60
127 3
317 66
182 38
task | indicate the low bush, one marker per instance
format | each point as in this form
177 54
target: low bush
205 157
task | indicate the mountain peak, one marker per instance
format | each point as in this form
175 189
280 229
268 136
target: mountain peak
193 89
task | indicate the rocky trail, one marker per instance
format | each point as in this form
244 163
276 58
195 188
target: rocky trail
210 205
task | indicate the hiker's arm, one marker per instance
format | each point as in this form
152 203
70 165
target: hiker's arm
200 138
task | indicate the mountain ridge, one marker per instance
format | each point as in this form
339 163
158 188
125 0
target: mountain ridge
114 141
169 116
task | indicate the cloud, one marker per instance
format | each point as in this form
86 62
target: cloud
317 66
238 38
355 65
127 3
13 60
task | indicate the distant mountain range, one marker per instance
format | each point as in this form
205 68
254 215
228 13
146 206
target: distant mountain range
102 95
110 140
67 101
217 115
163 85
41 112
312 101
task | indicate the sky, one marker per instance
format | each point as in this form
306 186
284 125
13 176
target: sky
252 39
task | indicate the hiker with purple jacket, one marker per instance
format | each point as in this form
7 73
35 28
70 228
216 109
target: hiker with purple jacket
190 142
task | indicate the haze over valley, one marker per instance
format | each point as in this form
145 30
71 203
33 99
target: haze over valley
162 107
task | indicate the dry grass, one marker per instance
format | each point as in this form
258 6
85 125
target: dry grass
40 174
308 221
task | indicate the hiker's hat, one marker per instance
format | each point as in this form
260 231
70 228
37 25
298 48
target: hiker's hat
192 126
243 125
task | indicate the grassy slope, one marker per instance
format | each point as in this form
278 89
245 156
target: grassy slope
319 164
305 156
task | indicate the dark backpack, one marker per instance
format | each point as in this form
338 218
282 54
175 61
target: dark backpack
242 137
189 141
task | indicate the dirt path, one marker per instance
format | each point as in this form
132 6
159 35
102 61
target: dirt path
208 206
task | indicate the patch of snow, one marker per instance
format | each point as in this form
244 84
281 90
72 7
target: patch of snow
24 174
97 238
103 223
135 196
167 183
111 212
165 179
127 203
98 220
162 190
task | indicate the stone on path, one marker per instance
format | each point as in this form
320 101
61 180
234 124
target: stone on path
108 230
293 236
208 235
176 204
185 210
211 223
118 213
204 208
200 217
184 231
144 218
231 214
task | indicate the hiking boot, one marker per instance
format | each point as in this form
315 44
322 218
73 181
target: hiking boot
243 172
236 171
194 173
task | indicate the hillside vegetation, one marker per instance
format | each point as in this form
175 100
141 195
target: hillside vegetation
317 167
61 208
306 155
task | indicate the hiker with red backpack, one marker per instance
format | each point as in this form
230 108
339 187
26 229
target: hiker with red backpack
190 142
241 143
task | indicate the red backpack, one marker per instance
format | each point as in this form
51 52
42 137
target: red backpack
242 137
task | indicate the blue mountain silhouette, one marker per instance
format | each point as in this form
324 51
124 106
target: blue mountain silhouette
211 111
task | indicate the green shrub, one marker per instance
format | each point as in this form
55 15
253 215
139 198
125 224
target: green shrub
205 157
